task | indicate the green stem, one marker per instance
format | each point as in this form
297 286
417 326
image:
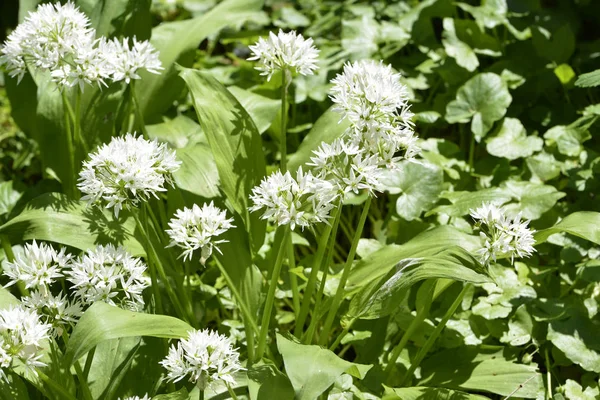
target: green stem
471 152
240 300
342 334
88 362
414 325
283 133
293 277
55 386
138 110
548 376
85 389
69 185
438 330
266 318
231 392
312 279
77 123
339 294
325 268
201 394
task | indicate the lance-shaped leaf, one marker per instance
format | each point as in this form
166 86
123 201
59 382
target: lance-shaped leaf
585 224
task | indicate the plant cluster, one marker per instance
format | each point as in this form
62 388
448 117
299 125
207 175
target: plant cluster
262 200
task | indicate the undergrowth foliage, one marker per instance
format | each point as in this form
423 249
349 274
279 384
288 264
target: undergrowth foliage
303 200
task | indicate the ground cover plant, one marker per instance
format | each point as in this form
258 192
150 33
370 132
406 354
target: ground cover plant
255 199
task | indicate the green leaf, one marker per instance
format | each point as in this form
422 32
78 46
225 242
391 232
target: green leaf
104 322
482 100
573 390
266 382
590 79
263 110
576 338
557 46
569 139
327 128
179 132
427 393
382 297
7 299
8 197
235 143
512 142
419 185
181 394
380 262
564 73
198 173
53 217
12 387
520 327
583 224
119 17
177 42
312 369
533 199
457 49
474 370
463 202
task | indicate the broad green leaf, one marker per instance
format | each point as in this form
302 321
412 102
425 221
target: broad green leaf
8 197
557 46
584 224
382 297
457 49
177 42
181 394
483 100
463 202
573 390
472 369
312 369
380 262
12 387
569 139
27 6
104 322
266 382
564 73
179 132
512 141
544 166
419 185
235 143
520 327
423 393
198 173
119 17
490 14
263 110
532 199
7 299
327 128
576 338
52 217
589 79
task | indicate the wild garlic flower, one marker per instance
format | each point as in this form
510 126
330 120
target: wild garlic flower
22 336
196 228
303 201
38 266
145 397
57 311
369 94
127 60
109 274
348 167
127 170
48 39
288 52
502 236
205 357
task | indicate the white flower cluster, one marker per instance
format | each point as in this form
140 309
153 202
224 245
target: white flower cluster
205 356
303 201
109 274
195 228
502 236
145 397
58 38
288 52
127 170
22 336
38 267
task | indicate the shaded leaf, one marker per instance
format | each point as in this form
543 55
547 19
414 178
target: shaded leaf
583 224
590 79
263 110
576 338
427 393
512 141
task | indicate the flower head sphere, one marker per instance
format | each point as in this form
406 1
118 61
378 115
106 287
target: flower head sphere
302 202
502 236
127 60
196 228
127 170
369 93
286 52
21 339
38 266
205 357
348 167
109 274
50 38
57 311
